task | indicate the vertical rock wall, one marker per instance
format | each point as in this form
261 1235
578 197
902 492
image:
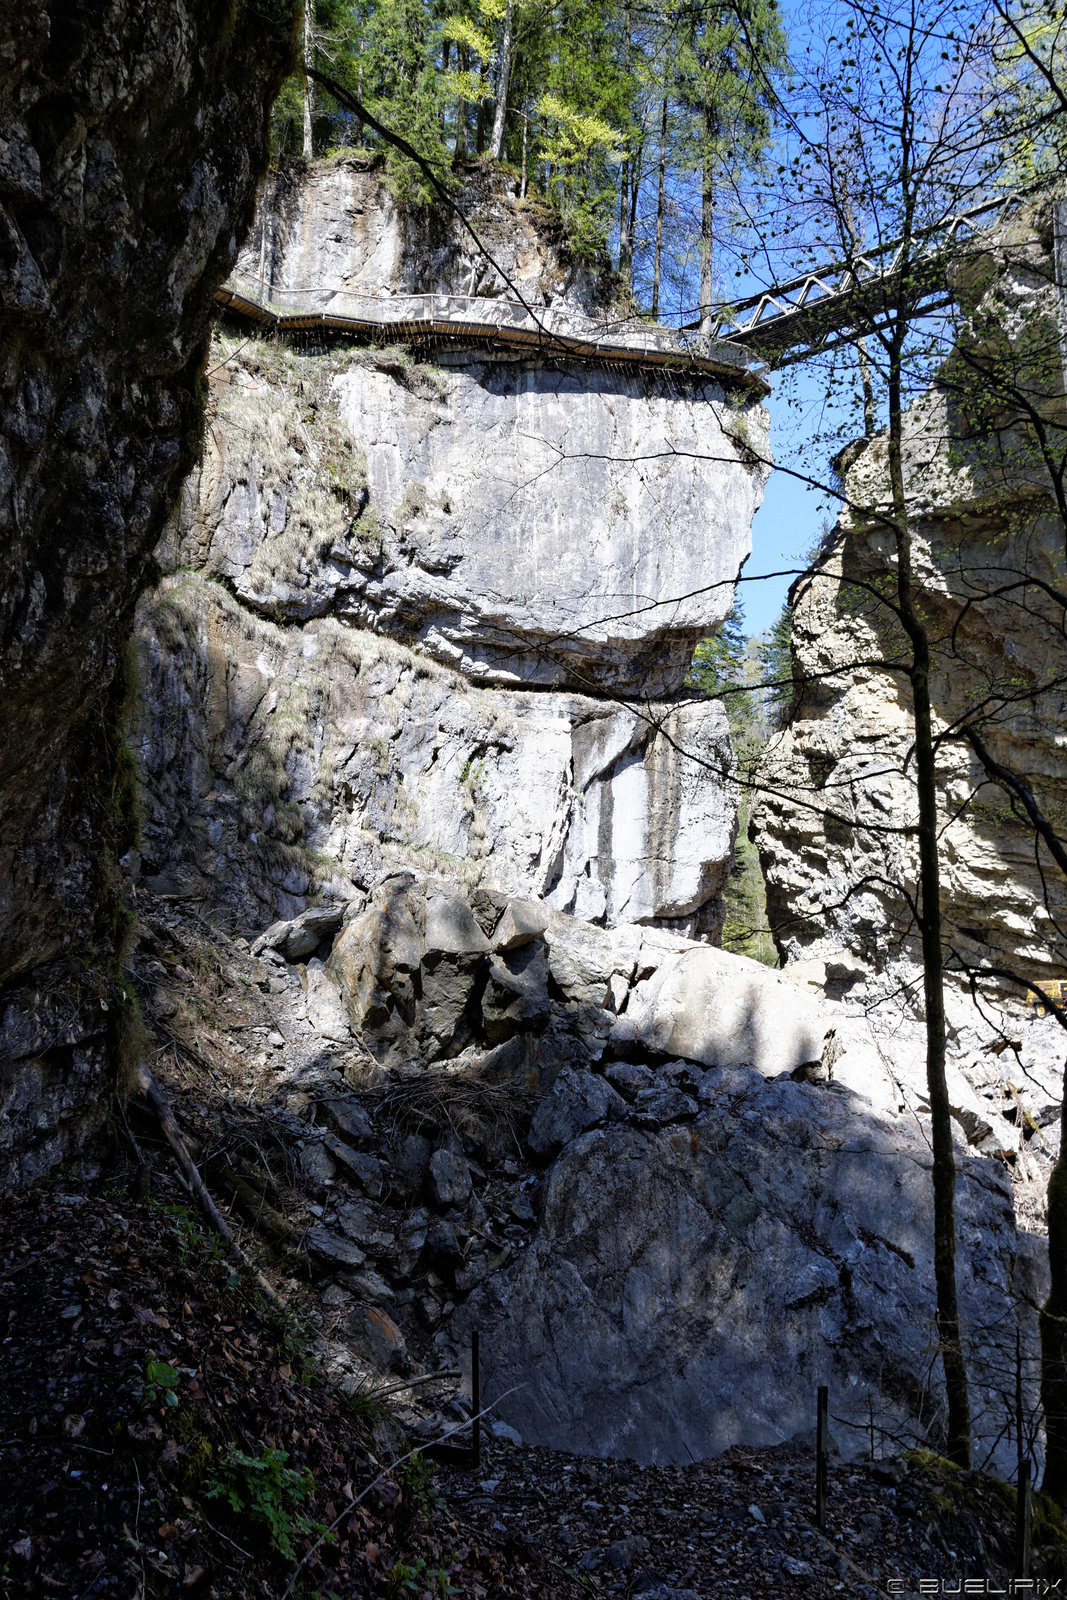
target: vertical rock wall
990 565
131 139
439 612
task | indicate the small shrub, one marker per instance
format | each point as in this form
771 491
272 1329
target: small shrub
161 1382
402 1580
263 1491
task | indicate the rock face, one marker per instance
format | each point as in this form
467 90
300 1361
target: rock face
514 527
131 146
725 1214
284 761
690 1286
989 558
335 231
537 521
531 519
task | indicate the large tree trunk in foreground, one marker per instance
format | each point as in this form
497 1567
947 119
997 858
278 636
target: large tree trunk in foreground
944 1164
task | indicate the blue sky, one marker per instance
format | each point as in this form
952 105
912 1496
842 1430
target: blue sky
792 517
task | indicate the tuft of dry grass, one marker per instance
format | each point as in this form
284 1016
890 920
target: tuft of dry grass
456 1097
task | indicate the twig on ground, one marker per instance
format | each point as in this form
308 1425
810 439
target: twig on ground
160 1107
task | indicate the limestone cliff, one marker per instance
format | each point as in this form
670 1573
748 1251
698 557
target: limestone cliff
390 582
323 235
411 723
130 143
990 562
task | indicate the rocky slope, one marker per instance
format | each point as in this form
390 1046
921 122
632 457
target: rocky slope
601 1147
130 145
85 1518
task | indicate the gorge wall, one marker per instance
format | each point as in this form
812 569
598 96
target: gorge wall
989 564
129 152
426 816
439 612
412 727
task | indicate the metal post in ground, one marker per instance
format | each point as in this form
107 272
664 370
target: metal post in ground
1024 1519
476 1399
822 1412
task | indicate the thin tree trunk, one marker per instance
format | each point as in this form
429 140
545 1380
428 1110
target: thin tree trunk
854 242
636 175
481 121
1053 1323
503 83
657 259
707 226
525 136
460 152
944 1165
625 233
309 52
870 410
625 248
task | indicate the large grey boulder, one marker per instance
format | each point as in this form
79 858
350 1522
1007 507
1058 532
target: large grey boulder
516 998
376 962
721 1009
479 481
325 1009
690 1287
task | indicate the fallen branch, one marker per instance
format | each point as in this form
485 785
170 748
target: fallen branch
160 1108
412 1383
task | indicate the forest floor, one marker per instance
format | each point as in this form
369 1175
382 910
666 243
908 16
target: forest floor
165 1430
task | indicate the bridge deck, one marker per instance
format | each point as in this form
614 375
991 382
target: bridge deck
460 320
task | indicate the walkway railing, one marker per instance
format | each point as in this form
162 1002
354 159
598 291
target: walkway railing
845 299
829 305
483 320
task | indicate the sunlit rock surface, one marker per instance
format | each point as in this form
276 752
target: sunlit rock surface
835 823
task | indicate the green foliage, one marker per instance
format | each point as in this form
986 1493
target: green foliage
728 667
718 662
161 1382
418 1578
579 80
193 1247
774 655
417 1476
262 1491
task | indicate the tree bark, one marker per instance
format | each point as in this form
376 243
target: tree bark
481 120
1053 1324
707 225
930 928
626 257
309 51
870 410
503 82
657 260
460 152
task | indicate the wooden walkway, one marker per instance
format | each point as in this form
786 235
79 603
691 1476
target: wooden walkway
459 321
